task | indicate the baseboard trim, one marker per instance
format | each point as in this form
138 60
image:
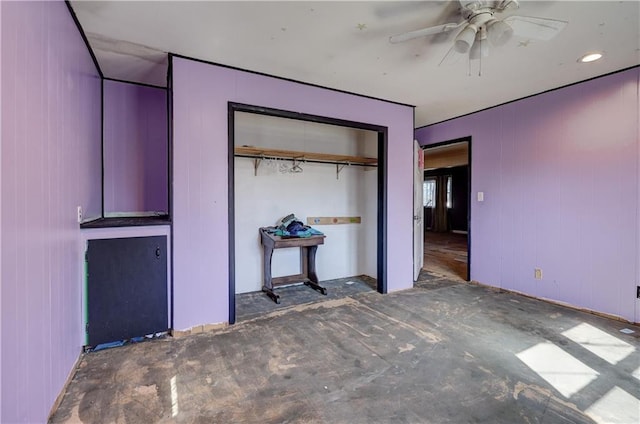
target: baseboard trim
65 386
459 232
558 303
197 329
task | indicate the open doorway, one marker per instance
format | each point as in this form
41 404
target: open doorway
446 200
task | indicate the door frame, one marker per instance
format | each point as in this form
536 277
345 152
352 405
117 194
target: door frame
418 210
469 191
382 131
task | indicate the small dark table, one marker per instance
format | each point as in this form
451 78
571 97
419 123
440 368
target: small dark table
308 247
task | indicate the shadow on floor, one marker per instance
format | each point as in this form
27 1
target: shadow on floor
254 304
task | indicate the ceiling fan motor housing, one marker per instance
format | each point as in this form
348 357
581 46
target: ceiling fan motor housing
479 14
466 37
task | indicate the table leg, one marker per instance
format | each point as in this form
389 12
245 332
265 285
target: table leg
267 284
304 261
311 273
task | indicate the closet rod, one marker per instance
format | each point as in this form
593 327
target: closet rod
301 159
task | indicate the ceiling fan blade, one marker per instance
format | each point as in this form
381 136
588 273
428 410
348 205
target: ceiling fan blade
535 28
399 38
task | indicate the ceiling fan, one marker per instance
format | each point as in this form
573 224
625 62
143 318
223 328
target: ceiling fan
480 27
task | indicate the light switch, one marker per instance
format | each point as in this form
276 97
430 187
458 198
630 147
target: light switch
481 196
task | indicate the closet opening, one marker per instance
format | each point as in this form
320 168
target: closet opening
331 174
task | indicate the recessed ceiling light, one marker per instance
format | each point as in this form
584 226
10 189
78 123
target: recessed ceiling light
590 57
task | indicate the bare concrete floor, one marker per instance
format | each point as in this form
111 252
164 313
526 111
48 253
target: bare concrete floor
442 352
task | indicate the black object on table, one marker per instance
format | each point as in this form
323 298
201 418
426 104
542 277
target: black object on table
308 247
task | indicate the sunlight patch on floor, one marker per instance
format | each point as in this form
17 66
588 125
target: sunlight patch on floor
174 397
600 343
565 373
615 407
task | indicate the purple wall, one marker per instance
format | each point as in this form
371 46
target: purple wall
50 165
1 136
560 177
135 148
1 221
637 272
200 183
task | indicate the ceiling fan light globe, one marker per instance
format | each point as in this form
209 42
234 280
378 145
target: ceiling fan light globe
474 53
465 39
499 32
479 49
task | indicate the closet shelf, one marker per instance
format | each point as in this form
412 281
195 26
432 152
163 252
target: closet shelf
264 153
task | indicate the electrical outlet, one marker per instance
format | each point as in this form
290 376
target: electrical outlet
537 273
79 214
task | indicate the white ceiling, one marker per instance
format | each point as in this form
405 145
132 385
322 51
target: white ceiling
344 45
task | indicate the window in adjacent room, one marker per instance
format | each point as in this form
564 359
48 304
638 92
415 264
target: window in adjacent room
429 193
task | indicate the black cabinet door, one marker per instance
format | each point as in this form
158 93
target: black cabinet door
126 288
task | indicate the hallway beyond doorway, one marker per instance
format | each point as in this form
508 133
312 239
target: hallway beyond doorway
446 254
